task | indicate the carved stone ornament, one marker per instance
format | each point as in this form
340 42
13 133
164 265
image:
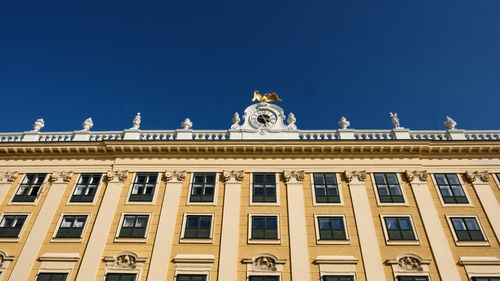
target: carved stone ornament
137 122
298 175
409 263
87 124
8 176
60 177
236 121
265 263
114 175
38 125
351 175
126 261
237 175
291 121
187 124
473 176
343 123
449 123
394 120
411 176
178 175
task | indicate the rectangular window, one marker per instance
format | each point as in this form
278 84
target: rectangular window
264 278
338 278
264 227
11 225
134 226
326 188
451 189
331 228
264 188
413 278
51 277
388 188
498 177
71 227
191 277
485 278
198 226
143 187
203 187
399 228
467 229
120 276
29 188
86 188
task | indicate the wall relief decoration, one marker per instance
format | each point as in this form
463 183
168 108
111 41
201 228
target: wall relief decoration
265 263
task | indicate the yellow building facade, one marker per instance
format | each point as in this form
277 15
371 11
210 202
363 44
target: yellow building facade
262 201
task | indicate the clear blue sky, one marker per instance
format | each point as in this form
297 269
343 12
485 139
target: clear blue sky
69 60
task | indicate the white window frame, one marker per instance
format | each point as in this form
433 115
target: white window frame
495 178
40 191
375 189
266 273
209 240
155 192
331 242
277 178
99 187
313 191
131 239
486 241
137 271
322 274
263 241
436 186
16 239
399 242
216 189
70 240
419 274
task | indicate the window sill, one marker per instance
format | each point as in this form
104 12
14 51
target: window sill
457 205
264 204
402 242
333 242
387 204
9 240
196 241
264 241
66 240
129 240
328 204
472 243
23 203
201 203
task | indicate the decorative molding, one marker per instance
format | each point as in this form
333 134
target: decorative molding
355 175
343 123
187 258
449 123
479 261
336 260
297 175
87 124
59 257
124 260
473 176
407 263
60 177
38 125
116 176
230 175
8 176
5 260
187 124
264 263
413 176
175 175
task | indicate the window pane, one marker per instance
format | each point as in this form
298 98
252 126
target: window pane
129 221
258 222
142 221
458 224
380 179
471 224
67 221
453 179
324 223
391 223
271 222
404 223
338 223
318 179
441 179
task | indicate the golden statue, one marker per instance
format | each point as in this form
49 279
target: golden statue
265 97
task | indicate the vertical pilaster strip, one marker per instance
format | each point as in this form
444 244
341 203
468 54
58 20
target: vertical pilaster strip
370 250
6 179
102 225
28 255
166 224
299 255
433 227
228 256
479 180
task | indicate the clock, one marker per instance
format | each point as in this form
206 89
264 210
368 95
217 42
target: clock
263 118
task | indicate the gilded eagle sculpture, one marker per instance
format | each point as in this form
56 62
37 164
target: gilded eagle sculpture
265 97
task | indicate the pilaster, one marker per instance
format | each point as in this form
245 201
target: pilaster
6 180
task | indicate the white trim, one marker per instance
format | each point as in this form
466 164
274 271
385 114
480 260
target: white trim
486 242
336 266
119 239
39 194
277 178
375 189
338 273
137 271
399 242
440 196
266 273
495 178
96 195
316 227
216 189
15 239
339 187
419 274
209 240
193 264
155 191
263 241
70 240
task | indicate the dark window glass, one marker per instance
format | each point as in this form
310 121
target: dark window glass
451 189
338 278
86 188
331 228
326 188
29 188
413 278
71 227
191 277
51 276
143 187
264 227
134 226
264 278
203 187
264 188
120 277
467 229
198 226
485 278
11 225
399 228
389 190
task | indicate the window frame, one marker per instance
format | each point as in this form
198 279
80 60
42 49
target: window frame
96 195
132 239
340 275
137 273
413 275
264 241
38 195
444 204
486 241
377 195
56 239
323 241
15 239
277 186
263 275
176 277
183 239
399 242
496 178
153 196
54 272
216 189
339 185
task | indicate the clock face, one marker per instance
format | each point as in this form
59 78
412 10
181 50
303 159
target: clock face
263 119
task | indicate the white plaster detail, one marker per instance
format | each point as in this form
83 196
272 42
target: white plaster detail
359 176
116 176
136 123
394 120
295 175
8 176
336 265
449 123
59 257
124 260
236 121
291 121
477 176
193 264
233 175
264 263
481 266
175 175
60 177
409 264
343 123
5 260
87 124
186 124
190 258
38 125
416 176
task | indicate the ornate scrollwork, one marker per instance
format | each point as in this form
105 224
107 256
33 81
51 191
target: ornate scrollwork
126 261
298 175
352 175
265 263
113 175
178 175
410 263
60 176
412 175
228 175
473 176
8 176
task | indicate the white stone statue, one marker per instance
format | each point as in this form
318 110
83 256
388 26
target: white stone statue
137 121
187 124
236 120
87 124
449 123
394 120
291 121
343 123
38 125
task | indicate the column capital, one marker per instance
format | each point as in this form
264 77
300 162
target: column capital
116 176
60 177
475 176
355 176
178 176
416 176
8 176
232 175
297 175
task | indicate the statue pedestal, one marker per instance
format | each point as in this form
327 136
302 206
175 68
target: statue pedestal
456 134
401 133
31 136
81 135
184 134
132 134
346 134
